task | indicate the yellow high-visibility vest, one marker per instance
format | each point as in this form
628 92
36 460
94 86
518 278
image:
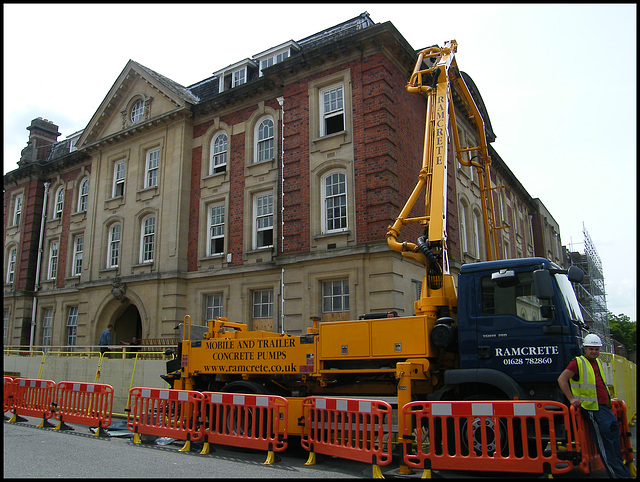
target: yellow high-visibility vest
585 391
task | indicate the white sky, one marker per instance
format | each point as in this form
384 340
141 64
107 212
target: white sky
558 81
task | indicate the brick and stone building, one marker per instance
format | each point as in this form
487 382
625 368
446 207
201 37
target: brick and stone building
262 194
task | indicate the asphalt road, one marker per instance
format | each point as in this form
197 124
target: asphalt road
31 452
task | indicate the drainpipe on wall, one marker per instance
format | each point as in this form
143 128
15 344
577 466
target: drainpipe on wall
281 102
36 285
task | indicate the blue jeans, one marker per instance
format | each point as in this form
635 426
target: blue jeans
605 431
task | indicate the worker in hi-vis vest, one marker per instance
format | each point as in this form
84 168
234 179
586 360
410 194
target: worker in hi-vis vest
583 383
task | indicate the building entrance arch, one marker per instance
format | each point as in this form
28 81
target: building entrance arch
127 325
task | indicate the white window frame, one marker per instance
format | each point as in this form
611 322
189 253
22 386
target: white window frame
263 219
264 141
463 227
239 77
52 272
83 195
476 233
263 304
72 326
47 328
216 228
333 108
213 306
328 203
119 174
17 209
334 293
78 248
11 265
5 318
113 249
137 110
218 153
152 165
58 203
147 239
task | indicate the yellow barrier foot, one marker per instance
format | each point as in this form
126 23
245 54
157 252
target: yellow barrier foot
405 470
186 447
632 469
17 418
136 438
312 459
270 458
205 449
63 426
44 423
426 474
377 473
98 432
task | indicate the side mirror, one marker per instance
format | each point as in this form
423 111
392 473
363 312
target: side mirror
575 274
543 284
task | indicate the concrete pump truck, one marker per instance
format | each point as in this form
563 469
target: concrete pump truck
506 333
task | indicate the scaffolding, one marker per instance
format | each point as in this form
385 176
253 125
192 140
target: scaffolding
591 291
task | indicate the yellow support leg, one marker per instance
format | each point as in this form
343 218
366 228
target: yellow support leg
270 458
312 459
377 473
136 438
186 447
426 474
205 449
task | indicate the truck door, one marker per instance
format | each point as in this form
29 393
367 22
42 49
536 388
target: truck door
512 334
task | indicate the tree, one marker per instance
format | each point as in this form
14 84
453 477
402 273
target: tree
623 330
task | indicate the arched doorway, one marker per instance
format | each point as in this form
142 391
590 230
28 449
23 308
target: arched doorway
127 325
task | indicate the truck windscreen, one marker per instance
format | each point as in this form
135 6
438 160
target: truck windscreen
569 297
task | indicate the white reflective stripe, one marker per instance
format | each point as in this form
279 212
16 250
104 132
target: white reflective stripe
588 386
481 409
183 396
32 383
364 407
76 387
164 395
587 399
441 409
524 409
90 388
216 398
342 405
262 401
321 403
238 399
146 393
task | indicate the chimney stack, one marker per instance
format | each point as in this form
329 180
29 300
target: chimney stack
43 134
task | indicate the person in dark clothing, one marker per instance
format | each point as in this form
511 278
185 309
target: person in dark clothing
134 345
105 340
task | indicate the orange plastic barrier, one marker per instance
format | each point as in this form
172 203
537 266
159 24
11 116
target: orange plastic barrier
33 398
84 403
591 461
354 429
164 412
496 436
7 393
245 420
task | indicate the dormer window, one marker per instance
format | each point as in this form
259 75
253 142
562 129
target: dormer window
136 111
239 77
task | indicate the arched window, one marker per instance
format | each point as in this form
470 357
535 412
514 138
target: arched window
334 202
113 249
11 265
218 157
136 111
58 203
83 195
147 239
264 136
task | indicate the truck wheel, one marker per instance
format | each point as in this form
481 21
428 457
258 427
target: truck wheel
241 421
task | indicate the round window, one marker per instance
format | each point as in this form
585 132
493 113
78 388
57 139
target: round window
136 111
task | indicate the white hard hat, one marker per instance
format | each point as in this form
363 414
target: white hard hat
591 340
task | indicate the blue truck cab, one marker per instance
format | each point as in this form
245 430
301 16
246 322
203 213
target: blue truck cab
518 325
